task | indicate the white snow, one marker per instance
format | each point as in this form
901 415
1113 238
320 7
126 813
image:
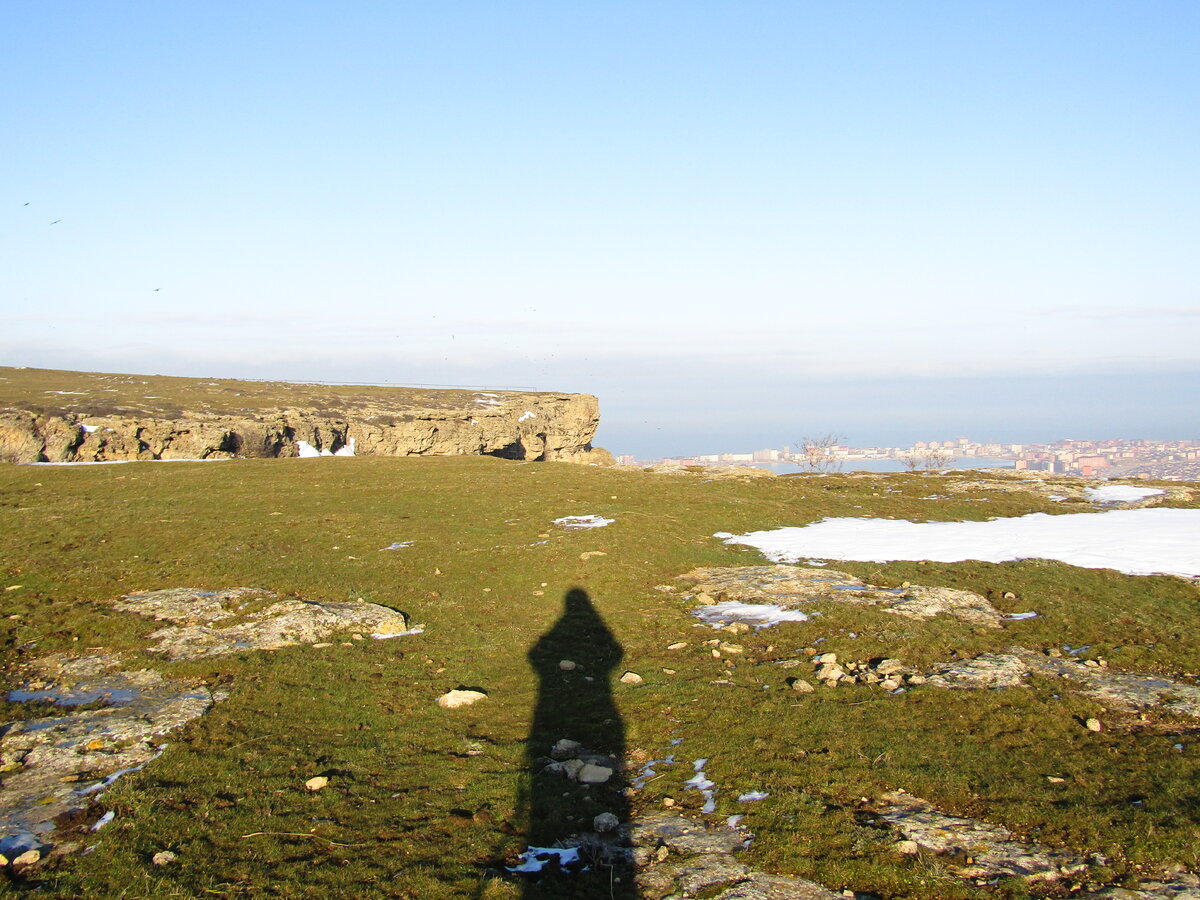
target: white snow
104 820
1121 493
750 796
527 415
760 615
396 545
1134 541
535 859
346 450
89 428
416 629
579 522
305 449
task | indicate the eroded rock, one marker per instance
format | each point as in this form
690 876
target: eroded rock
214 623
59 765
1125 690
792 587
985 671
970 847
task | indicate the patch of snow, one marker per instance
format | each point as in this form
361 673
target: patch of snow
1156 541
751 796
346 449
397 545
89 428
575 523
305 450
1017 617
416 629
734 821
527 415
760 615
535 859
68 393
104 820
1121 493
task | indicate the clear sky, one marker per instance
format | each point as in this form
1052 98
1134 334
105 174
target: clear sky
737 223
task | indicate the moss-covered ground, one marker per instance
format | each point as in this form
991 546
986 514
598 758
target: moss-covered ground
427 803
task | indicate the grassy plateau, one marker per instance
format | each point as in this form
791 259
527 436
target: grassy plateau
424 802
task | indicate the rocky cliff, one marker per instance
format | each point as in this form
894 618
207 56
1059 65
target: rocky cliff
57 416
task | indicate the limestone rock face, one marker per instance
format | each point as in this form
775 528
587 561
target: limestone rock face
509 424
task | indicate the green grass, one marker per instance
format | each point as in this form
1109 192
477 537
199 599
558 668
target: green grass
423 802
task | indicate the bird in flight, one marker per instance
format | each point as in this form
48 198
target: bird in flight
56 221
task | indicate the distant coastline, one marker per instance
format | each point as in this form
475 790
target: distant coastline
889 465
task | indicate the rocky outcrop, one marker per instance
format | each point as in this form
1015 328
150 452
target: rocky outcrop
507 424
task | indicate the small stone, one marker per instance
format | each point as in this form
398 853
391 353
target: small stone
356 636
915 679
315 784
732 648
809 651
591 773
3 860
705 599
678 645
28 858
1009 595
889 684
572 767
737 628
1091 664
321 645
163 858
605 822
911 848
632 678
668 802
668 671
888 666
590 553
1093 724
800 686
827 658
456 698
567 665
1056 779
829 672
565 749
716 653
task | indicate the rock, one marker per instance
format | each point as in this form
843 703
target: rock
53 766
590 553
376 421
685 836
3 860
914 679
605 823
678 645
910 848
260 621
565 749
827 658
985 671
1125 690
590 773
829 672
163 858
571 768
971 847
731 648
460 697
800 686
632 678
28 858
778 887
889 684
567 665
887 667
1093 725
793 587
315 784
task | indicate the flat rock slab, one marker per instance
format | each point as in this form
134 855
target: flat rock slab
973 848
58 765
215 623
1181 886
708 865
1123 690
686 836
985 671
795 586
1127 690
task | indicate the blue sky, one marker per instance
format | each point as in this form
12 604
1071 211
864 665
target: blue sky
736 223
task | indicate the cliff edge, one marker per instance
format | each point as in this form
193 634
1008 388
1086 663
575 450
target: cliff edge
50 415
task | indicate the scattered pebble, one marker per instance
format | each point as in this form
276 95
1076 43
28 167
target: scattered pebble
632 678
460 697
163 858
1093 724
315 784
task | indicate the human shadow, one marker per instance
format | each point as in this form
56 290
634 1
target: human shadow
566 784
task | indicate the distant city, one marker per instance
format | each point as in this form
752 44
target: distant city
1165 460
